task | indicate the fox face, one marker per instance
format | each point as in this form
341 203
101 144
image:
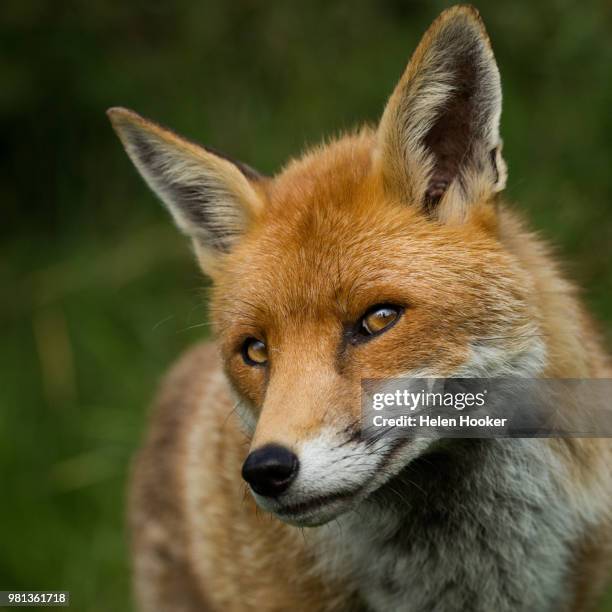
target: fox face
383 254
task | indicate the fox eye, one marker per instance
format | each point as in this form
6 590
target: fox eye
254 352
379 318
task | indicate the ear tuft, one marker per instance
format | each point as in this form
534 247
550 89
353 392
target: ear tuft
211 197
439 135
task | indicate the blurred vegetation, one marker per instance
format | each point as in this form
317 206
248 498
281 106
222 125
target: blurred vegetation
99 291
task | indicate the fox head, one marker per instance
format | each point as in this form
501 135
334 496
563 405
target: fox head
382 254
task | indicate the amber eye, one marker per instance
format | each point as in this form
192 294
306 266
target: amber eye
379 318
254 352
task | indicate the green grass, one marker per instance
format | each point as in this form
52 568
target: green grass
99 290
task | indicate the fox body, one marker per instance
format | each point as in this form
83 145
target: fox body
386 253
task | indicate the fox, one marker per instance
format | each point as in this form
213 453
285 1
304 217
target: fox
386 252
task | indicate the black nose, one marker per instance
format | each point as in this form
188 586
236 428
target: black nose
270 469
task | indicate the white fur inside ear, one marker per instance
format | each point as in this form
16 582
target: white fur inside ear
439 135
209 197
502 169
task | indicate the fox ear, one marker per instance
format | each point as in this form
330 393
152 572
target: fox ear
210 197
438 139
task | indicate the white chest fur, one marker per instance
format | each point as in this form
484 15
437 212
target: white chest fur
484 529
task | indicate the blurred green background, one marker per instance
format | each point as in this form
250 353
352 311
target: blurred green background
99 290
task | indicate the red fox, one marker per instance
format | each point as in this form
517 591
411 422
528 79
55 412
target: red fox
388 252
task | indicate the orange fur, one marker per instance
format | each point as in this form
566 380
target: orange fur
338 230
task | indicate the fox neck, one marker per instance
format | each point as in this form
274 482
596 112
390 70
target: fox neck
468 508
